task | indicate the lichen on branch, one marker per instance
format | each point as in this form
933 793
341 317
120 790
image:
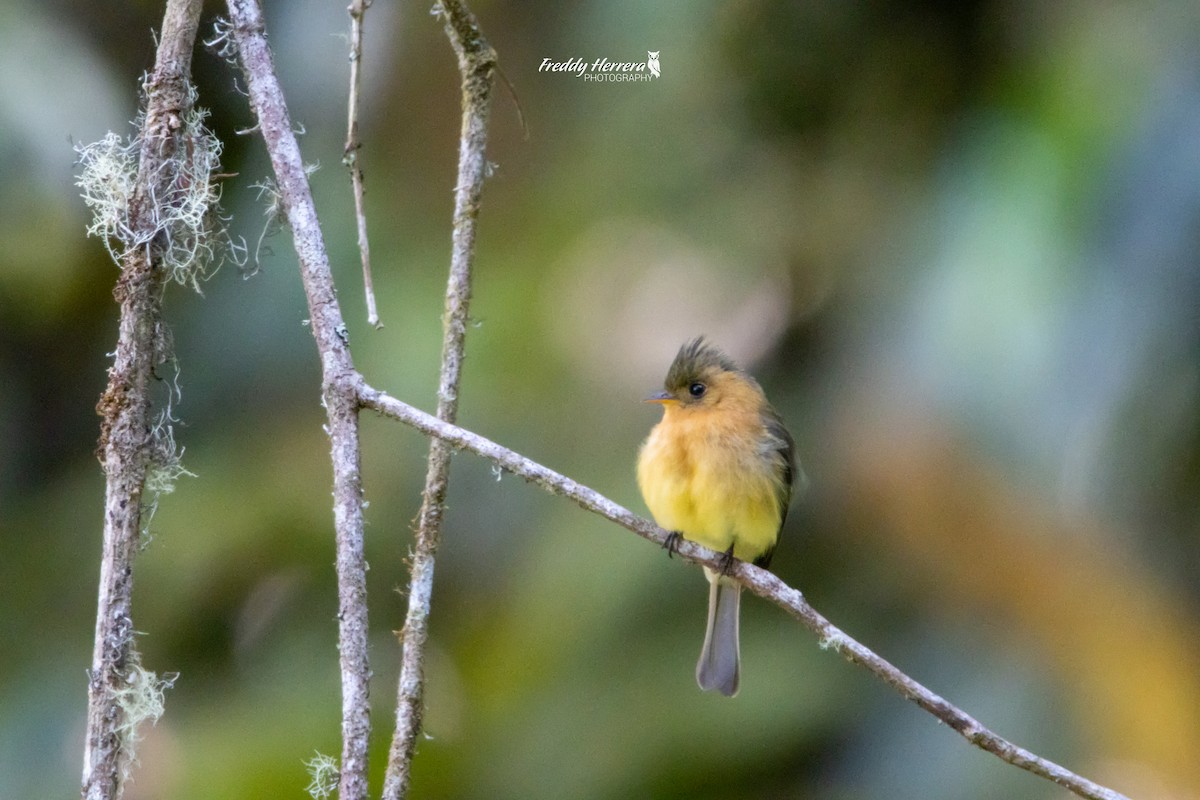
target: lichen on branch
179 223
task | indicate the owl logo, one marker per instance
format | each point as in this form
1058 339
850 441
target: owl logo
652 62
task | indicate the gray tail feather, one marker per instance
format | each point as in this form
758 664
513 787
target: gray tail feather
718 665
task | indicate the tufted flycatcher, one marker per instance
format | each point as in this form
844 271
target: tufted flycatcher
718 470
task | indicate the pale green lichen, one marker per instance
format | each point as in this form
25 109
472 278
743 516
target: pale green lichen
166 458
141 699
222 43
272 200
180 223
107 178
324 772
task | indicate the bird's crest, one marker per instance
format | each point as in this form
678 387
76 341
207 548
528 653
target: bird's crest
694 360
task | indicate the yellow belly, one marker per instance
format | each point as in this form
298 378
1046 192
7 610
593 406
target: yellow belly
715 491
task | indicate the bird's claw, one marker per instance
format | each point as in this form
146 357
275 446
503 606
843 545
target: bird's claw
726 561
671 545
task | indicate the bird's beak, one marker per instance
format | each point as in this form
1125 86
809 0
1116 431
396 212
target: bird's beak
661 397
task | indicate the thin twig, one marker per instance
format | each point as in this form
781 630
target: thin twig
476 63
127 442
357 10
337 375
759 581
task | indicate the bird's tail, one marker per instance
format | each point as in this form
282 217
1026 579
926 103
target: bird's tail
718 665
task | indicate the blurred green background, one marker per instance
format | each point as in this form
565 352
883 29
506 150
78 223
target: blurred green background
957 243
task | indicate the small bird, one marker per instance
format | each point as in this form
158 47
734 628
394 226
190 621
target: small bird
718 470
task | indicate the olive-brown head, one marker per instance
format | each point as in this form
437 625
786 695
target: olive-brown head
701 376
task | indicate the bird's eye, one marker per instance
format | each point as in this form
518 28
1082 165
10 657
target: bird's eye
697 390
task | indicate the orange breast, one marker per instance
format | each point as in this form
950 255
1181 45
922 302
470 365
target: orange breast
702 473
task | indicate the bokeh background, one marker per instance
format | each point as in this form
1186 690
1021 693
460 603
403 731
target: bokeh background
957 243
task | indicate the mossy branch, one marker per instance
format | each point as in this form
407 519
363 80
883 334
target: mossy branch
120 693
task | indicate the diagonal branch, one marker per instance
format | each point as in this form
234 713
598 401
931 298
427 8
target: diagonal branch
476 62
759 581
337 376
127 442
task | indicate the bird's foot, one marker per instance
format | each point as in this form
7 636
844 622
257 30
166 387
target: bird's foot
727 561
671 545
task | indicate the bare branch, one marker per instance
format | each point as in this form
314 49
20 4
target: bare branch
476 63
759 581
357 10
338 376
127 444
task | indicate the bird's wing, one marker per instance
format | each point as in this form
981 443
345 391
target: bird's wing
780 445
